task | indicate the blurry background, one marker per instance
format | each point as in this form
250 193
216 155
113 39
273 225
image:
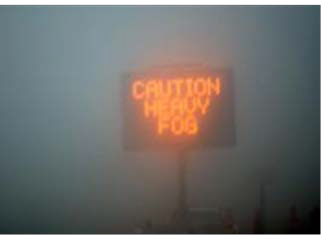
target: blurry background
62 165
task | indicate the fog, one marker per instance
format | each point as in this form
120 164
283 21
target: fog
63 167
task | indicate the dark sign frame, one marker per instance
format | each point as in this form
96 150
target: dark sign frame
217 128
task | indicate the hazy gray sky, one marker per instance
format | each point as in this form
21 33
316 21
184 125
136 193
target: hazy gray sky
62 165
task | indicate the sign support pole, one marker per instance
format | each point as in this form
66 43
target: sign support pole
182 160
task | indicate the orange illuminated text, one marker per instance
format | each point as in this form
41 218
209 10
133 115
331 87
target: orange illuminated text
176 104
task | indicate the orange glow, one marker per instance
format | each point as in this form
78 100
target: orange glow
138 90
191 125
164 91
177 82
190 105
189 83
216 87
177 125
150 108
176 106
162 124
200 87
152 89
203 105
176 103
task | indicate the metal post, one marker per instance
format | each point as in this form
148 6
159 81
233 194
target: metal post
182 188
